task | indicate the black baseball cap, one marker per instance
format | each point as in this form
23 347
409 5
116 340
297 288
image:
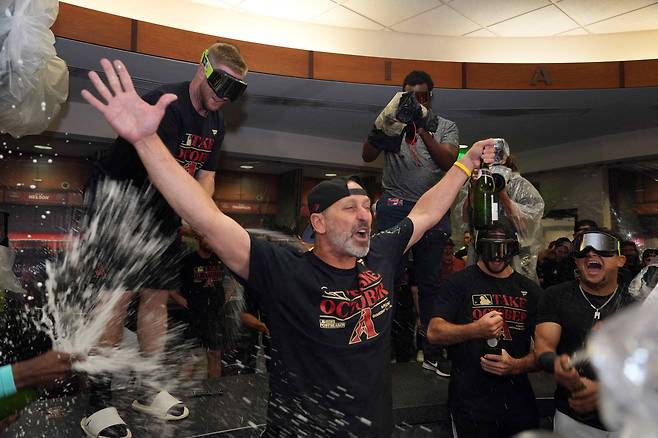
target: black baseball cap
324 194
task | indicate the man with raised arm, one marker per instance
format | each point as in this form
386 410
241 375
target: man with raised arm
329 310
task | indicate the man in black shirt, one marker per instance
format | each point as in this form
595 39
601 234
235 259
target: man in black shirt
486 304
557 266
329 310
567 314
192 130
202 294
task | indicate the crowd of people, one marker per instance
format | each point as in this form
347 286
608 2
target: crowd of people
485 315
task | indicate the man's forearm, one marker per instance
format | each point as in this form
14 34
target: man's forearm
443 154
183 193
446 333
525 364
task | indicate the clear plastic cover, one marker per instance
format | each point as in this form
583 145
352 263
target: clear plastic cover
33 80
8 279
386 120
625 354
524 207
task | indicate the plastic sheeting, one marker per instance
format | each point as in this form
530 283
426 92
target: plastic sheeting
524 211
625 354
8 280
34 82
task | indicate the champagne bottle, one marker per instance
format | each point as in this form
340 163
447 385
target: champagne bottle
14 403
493 345
485 207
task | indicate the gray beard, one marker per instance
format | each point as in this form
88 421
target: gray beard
344 242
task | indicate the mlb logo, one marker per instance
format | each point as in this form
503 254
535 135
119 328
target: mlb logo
482 300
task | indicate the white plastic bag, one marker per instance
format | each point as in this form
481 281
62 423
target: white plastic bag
33 80
625 354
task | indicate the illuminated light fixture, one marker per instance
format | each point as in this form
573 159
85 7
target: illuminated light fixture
19 184
246 166
34 160
43 216
50 160
44 147
37 179
1 156
29 236
329 174
47 211
32 186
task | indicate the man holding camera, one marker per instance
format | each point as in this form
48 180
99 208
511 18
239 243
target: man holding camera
415 161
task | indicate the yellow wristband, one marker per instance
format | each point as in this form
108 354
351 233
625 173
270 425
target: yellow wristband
463 168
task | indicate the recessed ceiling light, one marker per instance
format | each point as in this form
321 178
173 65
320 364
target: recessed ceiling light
37 179
329 174
34 160
41 146
50 160
246 166
19 184
32 186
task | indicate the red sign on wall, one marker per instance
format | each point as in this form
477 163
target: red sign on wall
32 197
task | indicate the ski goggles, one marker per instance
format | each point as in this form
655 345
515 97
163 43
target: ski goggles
497 249
603 244
223 84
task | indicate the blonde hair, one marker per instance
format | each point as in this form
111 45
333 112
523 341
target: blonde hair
228 55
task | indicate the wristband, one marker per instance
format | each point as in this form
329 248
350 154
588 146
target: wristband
7 386
463 168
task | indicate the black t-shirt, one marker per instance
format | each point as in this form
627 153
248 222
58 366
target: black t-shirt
330 341
202 285
465 297
192 139
565 305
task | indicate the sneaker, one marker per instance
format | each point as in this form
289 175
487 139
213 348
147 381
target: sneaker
440 367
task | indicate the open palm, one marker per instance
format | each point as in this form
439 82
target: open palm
130 116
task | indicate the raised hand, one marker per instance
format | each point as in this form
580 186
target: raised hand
130 116
481 150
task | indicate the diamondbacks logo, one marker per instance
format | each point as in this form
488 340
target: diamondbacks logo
356 311
364 326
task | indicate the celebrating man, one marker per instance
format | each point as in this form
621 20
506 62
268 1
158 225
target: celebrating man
329 310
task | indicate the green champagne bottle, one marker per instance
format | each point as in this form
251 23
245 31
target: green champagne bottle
485 207
14 403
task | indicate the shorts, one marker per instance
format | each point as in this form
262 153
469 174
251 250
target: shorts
209 332
159 273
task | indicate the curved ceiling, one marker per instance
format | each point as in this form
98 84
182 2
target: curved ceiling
448 30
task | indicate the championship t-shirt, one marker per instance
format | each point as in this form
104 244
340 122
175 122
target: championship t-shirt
202 285
465 297
330 344
564 304
192 139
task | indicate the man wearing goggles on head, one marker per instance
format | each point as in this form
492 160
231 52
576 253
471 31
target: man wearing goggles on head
568 312
490 394
193 130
